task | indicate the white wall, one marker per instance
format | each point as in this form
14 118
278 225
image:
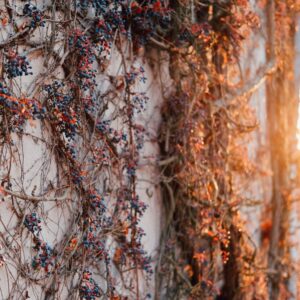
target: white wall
34 168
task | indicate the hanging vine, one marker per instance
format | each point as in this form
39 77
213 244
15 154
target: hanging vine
86 121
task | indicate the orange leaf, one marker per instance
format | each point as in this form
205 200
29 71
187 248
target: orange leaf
201 257
157 6
188 269
2 191
4 21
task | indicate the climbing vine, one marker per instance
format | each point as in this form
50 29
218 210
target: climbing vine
85 118
203 123
77 125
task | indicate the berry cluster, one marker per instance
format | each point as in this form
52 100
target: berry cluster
117 136
61 111
77 175
115 17
92 242
140 257
93 235
139 101
96 201
85 73
146 17
133 250
89 289
44 258
102 34
90 103
139 134
130 246
143 260
35 14
71 150
142 17
16 65
133 74
32 223
99 5
138 206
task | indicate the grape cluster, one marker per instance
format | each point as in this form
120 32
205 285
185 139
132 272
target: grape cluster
96 201
146 17
44 257
131 170
139 135
60 106
133 249
72 151
6 99
32 223
139 101
16 65
133 74
35 14
142 259
143 17
102 34
137 205
102 31
89 289
99 5
85 73
116 136
77 175
115 17
90 104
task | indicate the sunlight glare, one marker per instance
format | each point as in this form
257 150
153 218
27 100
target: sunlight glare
298 127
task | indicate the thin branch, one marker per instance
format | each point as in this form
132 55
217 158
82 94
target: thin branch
26 197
